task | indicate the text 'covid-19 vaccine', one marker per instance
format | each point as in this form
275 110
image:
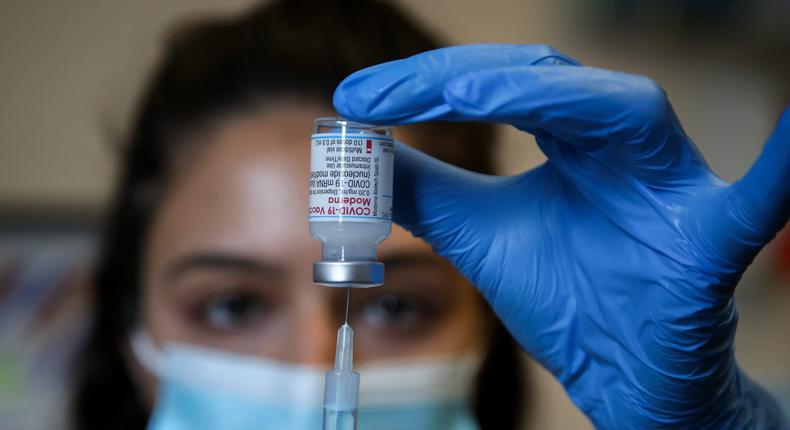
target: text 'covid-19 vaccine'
350 212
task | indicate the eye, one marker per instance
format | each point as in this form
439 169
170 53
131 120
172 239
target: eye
231 311
393 311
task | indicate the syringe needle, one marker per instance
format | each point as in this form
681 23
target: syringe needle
348 300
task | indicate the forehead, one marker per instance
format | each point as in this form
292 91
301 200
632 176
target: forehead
252 138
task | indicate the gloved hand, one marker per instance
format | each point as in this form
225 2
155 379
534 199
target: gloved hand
614 263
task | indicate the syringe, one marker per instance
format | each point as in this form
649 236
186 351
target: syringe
341 384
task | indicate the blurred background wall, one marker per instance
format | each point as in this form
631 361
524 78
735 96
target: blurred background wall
70 71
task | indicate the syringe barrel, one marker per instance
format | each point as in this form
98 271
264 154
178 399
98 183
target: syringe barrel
341 400
341 385
341 390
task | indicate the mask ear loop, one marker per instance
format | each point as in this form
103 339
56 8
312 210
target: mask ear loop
147 354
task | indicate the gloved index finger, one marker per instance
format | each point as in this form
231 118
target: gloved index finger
410 90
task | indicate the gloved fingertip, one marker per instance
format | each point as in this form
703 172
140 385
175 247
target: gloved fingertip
376 95
348 101
556 59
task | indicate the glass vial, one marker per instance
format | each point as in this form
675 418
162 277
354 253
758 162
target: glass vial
350 209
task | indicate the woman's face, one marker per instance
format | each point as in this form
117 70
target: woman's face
228 260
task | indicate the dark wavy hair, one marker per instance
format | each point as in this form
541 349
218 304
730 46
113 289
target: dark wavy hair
218 67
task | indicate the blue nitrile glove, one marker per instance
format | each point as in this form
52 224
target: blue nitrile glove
614 263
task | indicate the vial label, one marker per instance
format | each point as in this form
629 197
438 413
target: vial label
350 177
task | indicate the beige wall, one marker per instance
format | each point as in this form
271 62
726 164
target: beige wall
68 75
69 72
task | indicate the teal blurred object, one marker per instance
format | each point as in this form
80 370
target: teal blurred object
12 379
43 318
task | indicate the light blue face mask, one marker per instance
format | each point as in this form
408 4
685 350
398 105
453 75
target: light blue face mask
209 389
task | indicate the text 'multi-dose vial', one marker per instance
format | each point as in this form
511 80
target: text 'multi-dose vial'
350 200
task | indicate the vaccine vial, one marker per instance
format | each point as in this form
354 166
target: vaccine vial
350 209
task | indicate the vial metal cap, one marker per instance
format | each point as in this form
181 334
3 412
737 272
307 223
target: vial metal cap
355 274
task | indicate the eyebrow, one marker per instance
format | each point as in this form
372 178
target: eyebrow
216 260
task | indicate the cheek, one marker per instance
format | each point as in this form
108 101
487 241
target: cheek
145 383
155 320
161 317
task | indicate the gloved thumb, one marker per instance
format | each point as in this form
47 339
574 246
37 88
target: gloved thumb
443 204
757 206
